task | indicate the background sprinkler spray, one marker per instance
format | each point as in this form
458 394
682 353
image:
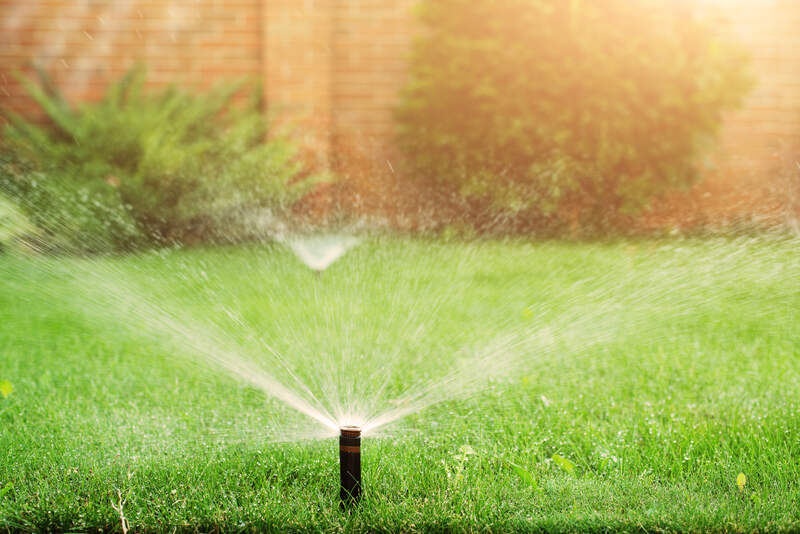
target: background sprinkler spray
350 465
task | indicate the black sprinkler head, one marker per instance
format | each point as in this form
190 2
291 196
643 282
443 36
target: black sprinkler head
350 465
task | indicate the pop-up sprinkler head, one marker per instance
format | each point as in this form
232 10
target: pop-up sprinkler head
350 465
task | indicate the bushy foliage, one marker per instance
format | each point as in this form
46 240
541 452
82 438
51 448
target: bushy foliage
69 210
139 168
559 110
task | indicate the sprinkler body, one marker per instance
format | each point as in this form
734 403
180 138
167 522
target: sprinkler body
350 465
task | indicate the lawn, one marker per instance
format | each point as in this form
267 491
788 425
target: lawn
607 386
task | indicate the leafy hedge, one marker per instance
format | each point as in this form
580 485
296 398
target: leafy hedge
140 168
561 110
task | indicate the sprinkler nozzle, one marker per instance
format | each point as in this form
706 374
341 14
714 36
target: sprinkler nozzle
350 465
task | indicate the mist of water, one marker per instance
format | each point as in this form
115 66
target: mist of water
385 334
318 252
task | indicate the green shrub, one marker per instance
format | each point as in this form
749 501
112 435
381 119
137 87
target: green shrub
557 110
14 226
139 168
69 210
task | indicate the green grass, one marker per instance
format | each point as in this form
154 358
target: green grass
673 367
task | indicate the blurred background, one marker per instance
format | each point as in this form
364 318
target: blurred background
335 72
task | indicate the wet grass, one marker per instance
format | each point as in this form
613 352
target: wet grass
646 428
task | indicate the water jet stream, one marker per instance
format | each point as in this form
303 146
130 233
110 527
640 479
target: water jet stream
371 350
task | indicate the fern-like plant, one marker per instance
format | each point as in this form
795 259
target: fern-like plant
141 168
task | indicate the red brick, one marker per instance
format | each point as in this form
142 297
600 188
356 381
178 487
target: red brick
335 67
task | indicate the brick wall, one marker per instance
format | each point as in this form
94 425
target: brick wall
85 43
331 70
298 70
